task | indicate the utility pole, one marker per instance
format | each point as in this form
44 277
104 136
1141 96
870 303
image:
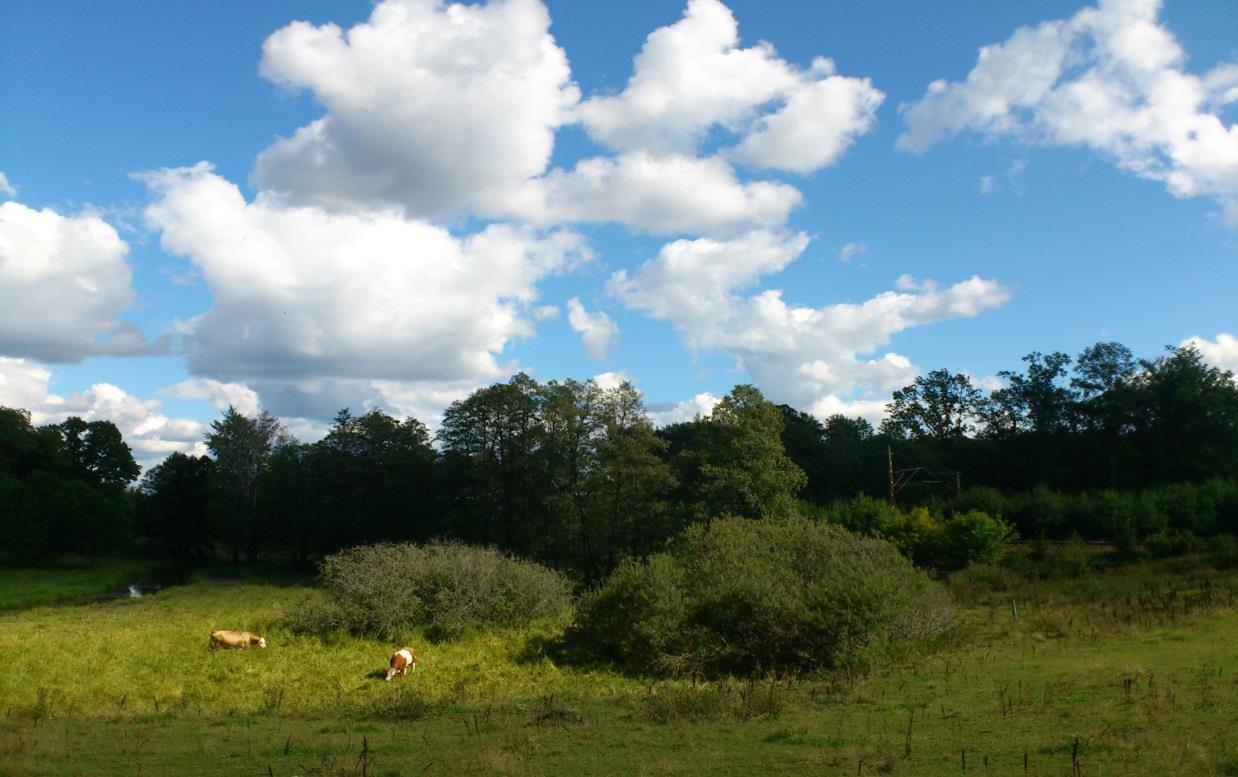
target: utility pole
890 460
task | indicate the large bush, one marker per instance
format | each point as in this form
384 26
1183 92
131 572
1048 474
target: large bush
741 597
386 589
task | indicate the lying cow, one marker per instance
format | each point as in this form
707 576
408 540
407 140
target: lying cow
236 639
401 661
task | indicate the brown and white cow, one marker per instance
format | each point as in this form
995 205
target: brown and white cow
236 639
401 661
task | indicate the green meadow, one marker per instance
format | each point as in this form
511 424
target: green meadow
71 580
1129 672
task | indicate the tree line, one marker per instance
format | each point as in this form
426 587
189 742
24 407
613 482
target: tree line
575 475
63 487
1105 421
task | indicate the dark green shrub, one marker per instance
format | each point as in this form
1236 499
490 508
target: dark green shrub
865 515
950 544
1159 545
1071 560
743 597
979 579
385 589
915 533
983 498
974 537
1224 551
1039 511
1185 506
1224 494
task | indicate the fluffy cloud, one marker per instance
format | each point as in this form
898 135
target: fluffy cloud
302 293
1221 352
438 108
692 75
871 410
611 380
851 250
802 355
24 384
596 329
432 107
666 413
1110 79
151 434
221 395
7 189
693 282
819 122
423 400
63 284
657 194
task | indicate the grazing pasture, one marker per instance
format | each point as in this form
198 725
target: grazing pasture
1133 672
72 580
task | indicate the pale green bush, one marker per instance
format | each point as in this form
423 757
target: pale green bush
383 590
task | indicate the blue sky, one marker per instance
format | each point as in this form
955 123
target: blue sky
302 206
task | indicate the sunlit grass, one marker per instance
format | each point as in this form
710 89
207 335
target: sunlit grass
1089 679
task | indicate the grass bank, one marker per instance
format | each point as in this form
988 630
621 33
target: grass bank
70 580
1129 673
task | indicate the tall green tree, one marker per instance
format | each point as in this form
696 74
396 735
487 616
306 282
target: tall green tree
737 464
1186 419
606 478
632 477
23 448
174 508
936 406
489 441
1034 401
242 447
1105 399
372 477
97 452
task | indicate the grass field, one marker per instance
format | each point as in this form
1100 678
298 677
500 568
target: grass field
1131 673
69 580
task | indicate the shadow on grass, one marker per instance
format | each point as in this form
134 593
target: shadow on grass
567 650
254 574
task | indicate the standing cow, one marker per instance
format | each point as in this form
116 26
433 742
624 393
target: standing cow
401 661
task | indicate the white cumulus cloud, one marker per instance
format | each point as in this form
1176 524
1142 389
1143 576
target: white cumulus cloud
1112 79
666 413
299 292
693 75
797 354
221 395
431 106
151 434
655 193
611 380
693 282
1221 352
596 330
63 284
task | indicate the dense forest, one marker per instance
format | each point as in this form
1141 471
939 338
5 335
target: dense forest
1143 452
